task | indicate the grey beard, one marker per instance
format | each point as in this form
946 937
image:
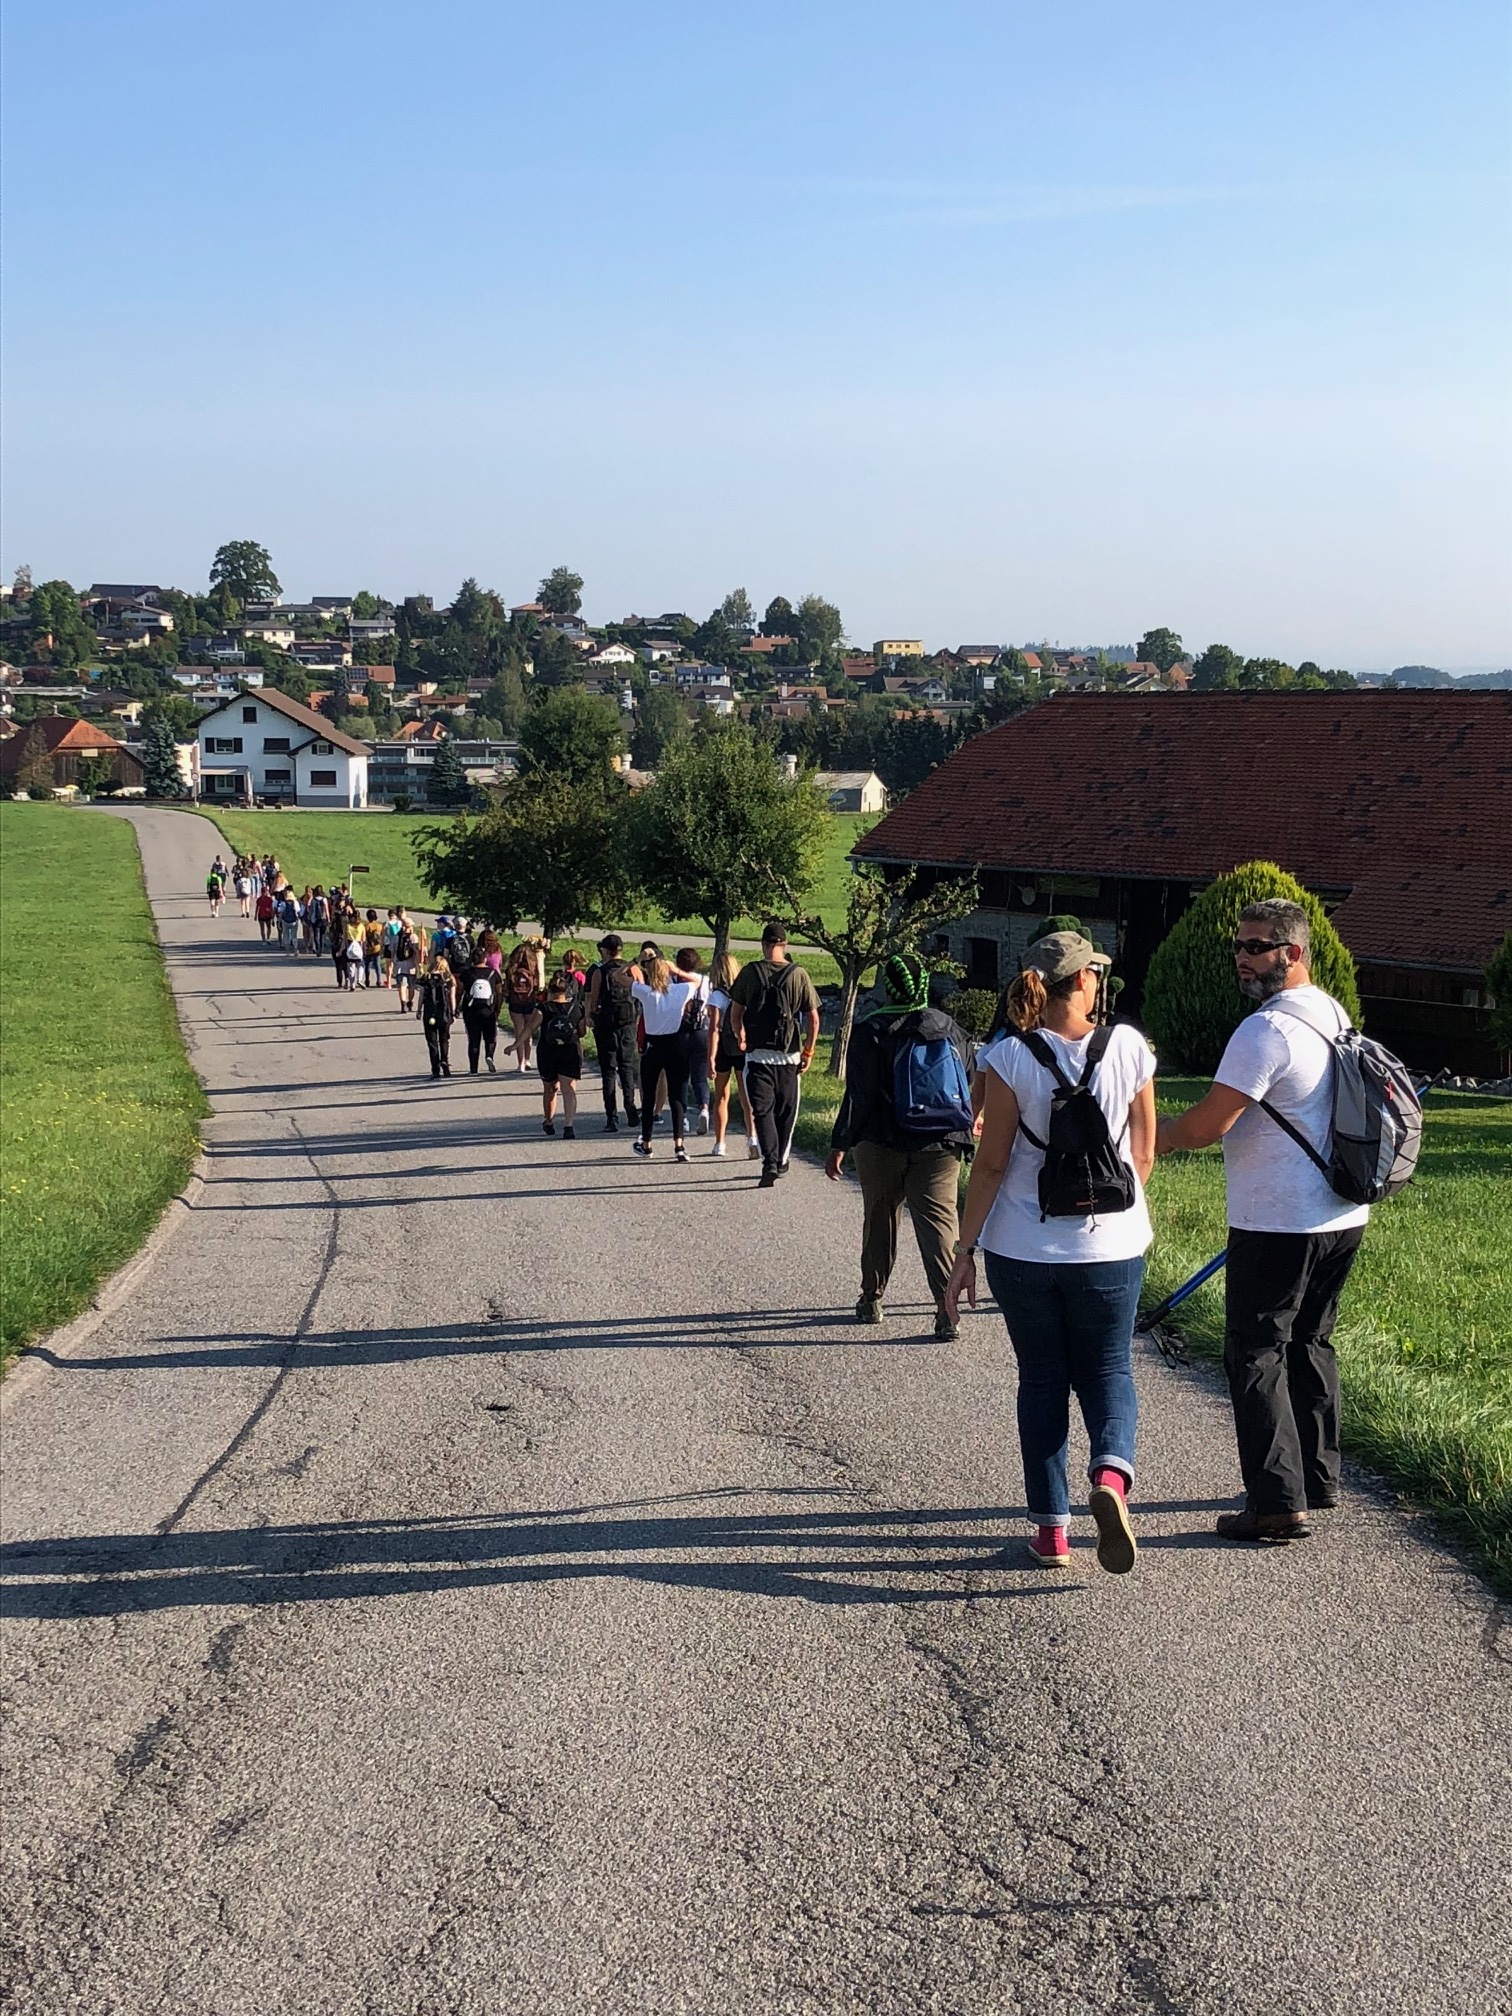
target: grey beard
1263 986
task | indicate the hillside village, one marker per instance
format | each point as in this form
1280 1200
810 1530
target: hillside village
395 683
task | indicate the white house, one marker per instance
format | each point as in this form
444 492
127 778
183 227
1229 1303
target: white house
265 745
272 630
852 790
657 648
367 629
144 617
613 654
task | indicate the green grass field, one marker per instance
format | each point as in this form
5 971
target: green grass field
1424 1341
100 1107
321 847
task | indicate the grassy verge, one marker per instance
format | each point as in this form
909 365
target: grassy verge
321 846
1424 1341
100 1105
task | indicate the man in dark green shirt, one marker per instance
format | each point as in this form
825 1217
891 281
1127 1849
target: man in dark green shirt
774 1017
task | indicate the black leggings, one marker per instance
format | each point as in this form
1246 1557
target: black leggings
663 1057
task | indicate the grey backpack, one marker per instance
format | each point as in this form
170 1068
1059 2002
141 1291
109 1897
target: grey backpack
1376 1129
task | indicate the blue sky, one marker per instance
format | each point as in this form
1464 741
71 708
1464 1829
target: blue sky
988 321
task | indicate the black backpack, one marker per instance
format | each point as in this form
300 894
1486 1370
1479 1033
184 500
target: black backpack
771 1020
558 1030
1083 1175
616 1004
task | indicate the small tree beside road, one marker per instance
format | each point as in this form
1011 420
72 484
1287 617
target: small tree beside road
547 849
722 833
881 918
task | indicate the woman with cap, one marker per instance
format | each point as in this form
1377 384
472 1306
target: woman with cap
1056 1203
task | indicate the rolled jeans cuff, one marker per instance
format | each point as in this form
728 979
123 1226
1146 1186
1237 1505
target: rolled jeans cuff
1119 1463
1049 1518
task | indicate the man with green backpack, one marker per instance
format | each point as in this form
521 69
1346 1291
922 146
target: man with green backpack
906 1122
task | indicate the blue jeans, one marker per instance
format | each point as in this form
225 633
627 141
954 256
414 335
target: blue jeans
1072 1330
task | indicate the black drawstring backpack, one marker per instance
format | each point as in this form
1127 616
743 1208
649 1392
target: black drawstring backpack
1083 1175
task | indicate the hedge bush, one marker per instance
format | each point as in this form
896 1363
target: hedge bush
1499 985
973 1009
1192 1003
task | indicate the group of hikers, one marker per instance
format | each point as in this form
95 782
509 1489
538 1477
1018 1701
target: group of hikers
1054 1111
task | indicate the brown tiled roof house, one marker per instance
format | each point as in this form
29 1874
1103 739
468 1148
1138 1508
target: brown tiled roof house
1395 808
68 744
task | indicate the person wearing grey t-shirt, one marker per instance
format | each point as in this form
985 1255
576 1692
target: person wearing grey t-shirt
1292 1240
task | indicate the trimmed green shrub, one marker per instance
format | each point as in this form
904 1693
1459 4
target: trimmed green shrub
1192 1003
973 1009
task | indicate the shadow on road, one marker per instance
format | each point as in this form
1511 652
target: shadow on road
829 1556
714 1330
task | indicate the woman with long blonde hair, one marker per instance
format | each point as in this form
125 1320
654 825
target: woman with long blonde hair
663 995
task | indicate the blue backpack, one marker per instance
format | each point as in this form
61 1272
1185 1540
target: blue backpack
931 1092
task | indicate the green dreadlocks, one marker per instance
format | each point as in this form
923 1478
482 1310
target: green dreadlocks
905 981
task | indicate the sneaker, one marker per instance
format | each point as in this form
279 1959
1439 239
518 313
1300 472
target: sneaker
718 1148
680 1152
632 1116
767 1180
1264 1529
945 1331
703 1120
569 1133
1051 1547
753 1150
611 1125
869 1309
548 1127
1116 1545
641 1147
490 1063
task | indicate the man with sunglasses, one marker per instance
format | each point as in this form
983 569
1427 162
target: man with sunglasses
1292 1240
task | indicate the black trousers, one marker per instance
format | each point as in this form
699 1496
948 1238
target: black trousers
1281 1301
482 1034
438 1042
663 1058
773 1092
617 1058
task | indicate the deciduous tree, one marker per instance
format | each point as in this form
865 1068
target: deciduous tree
561 593
881 918
737 611
1217 670
546 849
1160 647
571 734
722 833
245 570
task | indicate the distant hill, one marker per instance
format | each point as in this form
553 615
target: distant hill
1430 675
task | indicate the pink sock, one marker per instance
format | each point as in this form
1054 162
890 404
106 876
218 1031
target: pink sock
1114 1480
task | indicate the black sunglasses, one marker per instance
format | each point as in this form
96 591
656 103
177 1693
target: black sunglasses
1255 946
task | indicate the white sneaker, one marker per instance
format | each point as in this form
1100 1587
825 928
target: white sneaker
703 1120
718 1148
753 1151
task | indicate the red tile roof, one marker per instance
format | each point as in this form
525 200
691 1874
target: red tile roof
1404 800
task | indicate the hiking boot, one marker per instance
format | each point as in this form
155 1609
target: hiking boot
1050 1546
767 1180
945 1331
1264 1529
869 1309
1116 1545
680 1152
1324 1499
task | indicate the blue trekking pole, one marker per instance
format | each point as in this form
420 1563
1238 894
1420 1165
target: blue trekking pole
1168 1347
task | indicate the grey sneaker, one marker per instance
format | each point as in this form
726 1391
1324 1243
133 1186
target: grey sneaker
703 1120
869 1310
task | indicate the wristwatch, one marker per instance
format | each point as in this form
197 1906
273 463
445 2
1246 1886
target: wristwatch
961 1250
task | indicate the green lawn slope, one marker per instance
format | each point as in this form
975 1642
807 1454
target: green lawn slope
99 1109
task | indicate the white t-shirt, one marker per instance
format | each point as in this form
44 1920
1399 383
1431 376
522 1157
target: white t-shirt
1278 1053
1013 1227
663 1013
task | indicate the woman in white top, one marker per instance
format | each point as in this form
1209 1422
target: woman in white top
1065 1258
662 996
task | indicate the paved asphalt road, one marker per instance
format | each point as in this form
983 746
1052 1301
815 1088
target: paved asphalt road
478 1573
